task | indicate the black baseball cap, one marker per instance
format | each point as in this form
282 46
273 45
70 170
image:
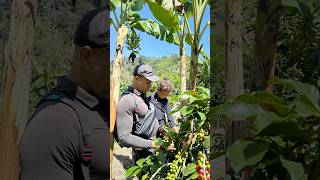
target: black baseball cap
93 29
145 70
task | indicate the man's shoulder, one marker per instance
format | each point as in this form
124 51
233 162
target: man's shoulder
54 120
54 110
129 101
59 102
129 97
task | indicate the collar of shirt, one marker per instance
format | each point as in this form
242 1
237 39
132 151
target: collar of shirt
82 95
163 101
135 91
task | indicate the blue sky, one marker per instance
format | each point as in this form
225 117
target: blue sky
152 47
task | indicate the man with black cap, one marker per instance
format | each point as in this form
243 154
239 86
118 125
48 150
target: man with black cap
68 134
132 109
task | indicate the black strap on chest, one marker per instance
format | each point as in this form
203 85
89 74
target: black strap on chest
67 98
115 131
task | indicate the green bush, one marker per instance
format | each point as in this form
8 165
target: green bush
286 143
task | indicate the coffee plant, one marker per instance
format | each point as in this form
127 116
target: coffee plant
286 143
192 143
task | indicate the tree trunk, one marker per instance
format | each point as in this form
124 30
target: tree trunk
115 83
267 25
234 128
194 63
183 68
16 85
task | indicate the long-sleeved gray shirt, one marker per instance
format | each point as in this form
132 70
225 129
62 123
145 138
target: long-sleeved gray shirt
50 147
128 105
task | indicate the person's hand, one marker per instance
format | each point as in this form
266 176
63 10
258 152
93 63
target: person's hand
175 129
154 146
187 142
171 148
163 134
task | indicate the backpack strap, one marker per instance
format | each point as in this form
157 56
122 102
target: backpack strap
86 151
65 97
134 114
115 132
135 103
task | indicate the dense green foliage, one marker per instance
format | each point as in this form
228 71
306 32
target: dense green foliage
53 46
286 145
298 54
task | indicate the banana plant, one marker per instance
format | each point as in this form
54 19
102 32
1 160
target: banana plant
198 9
175 15
176 23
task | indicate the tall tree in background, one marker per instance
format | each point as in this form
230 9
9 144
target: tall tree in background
183 60
267 25
16 84
234 128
